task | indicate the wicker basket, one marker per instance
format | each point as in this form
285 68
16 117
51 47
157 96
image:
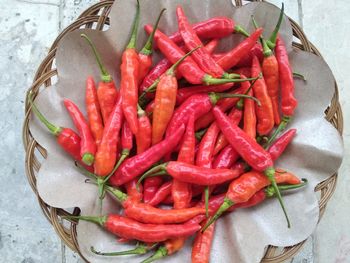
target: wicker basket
96 17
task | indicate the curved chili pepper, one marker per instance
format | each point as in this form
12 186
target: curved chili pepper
144 134
163 191
249 150
68 139
226 158
193 174
188 68
246 60
131 229
243 188
278 147
93 110
106 155
216 27
264 113
145 55
185 93
130 76
249 117
191 40
202 244
288 100
107 93
138 164
150 188
232 57
87 143
165 100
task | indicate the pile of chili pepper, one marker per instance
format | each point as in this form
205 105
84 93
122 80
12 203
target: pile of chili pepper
197 132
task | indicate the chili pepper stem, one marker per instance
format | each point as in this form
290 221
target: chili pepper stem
160 253
55 130
216 96
99 220
88 158
206 200
138 250
241 30
105 76
270 174
210 80
299 75
225 205
171 70
117 193
135 27
266 50
271 42
281 127
270 191
200 134
155 170
240 103
230 75
147 49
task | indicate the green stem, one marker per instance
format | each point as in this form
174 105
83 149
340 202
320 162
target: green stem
200 134
218 96
272 39
171 70
299 75
206 200
239 29
55 130
105 76
225 205
98 220
121 196
138 250
280 128
160 253
86 172
209 80
147 49
270 191
240 103
135 27
230 75
270 174
155 170
266 50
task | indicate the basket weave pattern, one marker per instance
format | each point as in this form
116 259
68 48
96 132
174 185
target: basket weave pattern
96 17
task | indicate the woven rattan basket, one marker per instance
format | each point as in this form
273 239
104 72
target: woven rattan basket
96 17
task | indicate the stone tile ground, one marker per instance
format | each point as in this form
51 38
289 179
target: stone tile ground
27 29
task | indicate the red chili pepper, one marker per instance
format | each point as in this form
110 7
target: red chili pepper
226 158
130 76
246 71
107 93
185 93
93 110
106 155
126 138
216 27
249 117
145 55
278 147
249 150
87 143
201 56
68 139
243 188
165 100
246 60
193 174
161 194
134 193
138 164
264 113
150 187
188 68
144 134
149 108
232 57
131 229
202 244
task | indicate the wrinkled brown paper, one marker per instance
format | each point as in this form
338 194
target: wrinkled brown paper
315 153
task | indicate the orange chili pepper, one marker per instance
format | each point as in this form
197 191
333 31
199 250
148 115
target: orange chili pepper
249 117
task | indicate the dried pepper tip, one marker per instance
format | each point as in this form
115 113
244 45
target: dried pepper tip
239 29
135 27
55 130
225 205
271 42
266 50
214 97
280 128
154 171
140 249
299 75
270 174
105 76
88 158
98 220
160 253
147 49
171 70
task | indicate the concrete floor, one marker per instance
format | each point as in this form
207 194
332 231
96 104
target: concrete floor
28 27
